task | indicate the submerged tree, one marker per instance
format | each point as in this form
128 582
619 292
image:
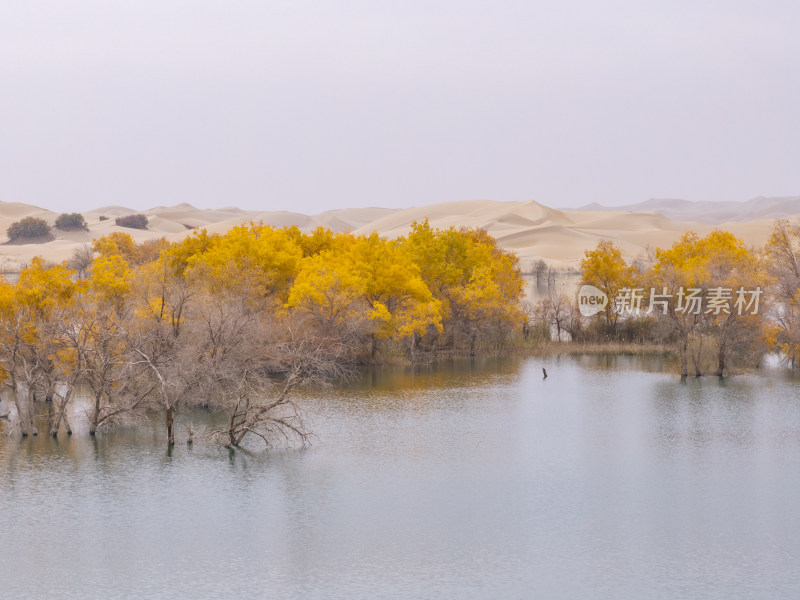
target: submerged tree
783 256
238 321
162 339
700 284
258 398
33 356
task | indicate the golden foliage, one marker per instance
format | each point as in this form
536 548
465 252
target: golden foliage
606 269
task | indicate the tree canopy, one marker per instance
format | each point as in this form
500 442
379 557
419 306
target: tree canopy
237 320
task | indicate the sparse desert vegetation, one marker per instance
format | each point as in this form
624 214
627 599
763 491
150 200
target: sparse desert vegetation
71 222
28 228
137 221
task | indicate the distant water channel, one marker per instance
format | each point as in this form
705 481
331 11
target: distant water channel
609 479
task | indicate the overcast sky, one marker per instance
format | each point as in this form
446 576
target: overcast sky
309 105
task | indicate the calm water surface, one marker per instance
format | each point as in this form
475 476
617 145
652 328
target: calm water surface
609 479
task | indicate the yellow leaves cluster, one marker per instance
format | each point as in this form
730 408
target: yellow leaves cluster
397 289
42 288
720 258
606 269
412 285
117 243
365 276
474 279
330 287
265 258
110 278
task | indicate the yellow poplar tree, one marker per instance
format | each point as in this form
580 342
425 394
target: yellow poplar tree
479 284
718 262
265 258
606 269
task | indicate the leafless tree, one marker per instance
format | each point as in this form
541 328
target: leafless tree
96 335
552 275
783 256
539 268
573 324
81 259
253 362
557 312
260 402
160 340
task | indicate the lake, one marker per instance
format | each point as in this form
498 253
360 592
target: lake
474 479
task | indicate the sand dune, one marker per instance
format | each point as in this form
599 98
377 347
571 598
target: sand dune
13 211
535 231
110 211
530 229
714 213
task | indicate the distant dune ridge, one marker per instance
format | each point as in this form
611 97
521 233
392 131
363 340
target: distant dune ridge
530 229
714 213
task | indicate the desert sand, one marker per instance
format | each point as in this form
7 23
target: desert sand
715 213
530 229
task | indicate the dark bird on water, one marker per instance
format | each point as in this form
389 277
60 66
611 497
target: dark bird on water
544 372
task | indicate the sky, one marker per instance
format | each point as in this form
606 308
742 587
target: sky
310 105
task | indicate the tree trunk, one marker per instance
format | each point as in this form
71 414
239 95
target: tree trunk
60 415
55 420
684 349
698 357
170 426
232 429
721 359
21 413
31 415
67 426
102 399
60 403
94 422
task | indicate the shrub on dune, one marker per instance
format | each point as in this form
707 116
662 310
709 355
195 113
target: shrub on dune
27 228
137 221
71 222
